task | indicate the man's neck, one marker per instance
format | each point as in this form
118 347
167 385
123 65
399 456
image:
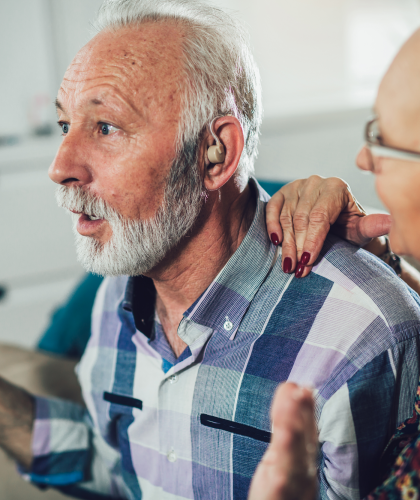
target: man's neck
180 280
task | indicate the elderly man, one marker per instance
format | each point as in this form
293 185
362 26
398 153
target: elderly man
197 323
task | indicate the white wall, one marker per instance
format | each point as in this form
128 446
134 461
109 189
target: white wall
323 55
71 26
325 144
26 64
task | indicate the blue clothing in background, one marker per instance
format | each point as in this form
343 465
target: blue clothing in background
271 187
69 330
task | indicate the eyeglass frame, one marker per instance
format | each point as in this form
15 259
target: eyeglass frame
378 149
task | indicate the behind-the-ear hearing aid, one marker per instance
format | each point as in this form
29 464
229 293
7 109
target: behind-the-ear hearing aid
216 153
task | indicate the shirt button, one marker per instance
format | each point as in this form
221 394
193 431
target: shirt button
173 379
171 456
228 325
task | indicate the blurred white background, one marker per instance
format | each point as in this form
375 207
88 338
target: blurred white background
320 61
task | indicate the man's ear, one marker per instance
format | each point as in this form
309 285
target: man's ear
229 131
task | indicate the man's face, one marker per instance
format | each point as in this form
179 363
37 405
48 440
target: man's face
119 107
397 181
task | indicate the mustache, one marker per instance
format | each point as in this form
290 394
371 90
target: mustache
75 199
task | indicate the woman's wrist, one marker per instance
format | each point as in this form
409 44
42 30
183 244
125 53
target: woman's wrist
381 248
377 246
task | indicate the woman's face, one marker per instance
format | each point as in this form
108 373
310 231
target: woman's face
398 186
397 109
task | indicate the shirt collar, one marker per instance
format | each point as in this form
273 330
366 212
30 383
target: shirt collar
139 299
225 302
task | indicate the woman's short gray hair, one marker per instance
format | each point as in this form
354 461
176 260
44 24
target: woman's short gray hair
221 72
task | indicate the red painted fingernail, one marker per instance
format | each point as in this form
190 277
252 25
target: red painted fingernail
299 270
306 257
275 239
287 265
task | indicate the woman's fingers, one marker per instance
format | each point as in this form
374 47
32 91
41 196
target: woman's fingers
320 202
289 250
309 194
273 211
302 213
322 215
288 468
279 214
372 226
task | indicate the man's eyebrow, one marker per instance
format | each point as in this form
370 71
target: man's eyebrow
58 105
99 102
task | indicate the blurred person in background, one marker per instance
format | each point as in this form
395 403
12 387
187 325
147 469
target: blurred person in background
392 153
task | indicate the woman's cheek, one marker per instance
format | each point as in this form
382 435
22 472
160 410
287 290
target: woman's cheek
385 192
390 197
397 241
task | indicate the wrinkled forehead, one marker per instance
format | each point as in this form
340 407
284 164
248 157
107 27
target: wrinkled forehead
143 63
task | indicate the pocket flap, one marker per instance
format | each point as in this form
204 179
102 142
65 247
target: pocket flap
235 428
123 400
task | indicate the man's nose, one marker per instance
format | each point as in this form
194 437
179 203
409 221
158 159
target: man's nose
364 159
70 166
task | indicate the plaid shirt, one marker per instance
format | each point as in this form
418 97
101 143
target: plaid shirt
161 427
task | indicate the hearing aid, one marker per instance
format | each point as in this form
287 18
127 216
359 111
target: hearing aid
216 153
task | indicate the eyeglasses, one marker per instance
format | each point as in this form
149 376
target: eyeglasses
374 143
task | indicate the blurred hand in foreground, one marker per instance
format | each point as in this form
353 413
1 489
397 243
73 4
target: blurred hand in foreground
287 470
300 215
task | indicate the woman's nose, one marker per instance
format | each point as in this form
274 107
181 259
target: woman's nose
364 159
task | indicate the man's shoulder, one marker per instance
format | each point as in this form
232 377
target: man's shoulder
350 311
367 282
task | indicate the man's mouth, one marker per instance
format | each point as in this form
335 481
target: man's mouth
88 224
87 216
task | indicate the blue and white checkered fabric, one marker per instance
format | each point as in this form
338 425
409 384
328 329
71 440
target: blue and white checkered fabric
158 427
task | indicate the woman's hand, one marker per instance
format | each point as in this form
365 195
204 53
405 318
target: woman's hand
287 470
301 214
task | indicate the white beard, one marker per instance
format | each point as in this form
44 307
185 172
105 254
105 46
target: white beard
137 246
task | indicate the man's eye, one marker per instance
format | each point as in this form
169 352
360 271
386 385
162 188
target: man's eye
65 127
107 129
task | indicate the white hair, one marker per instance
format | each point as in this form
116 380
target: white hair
221 75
